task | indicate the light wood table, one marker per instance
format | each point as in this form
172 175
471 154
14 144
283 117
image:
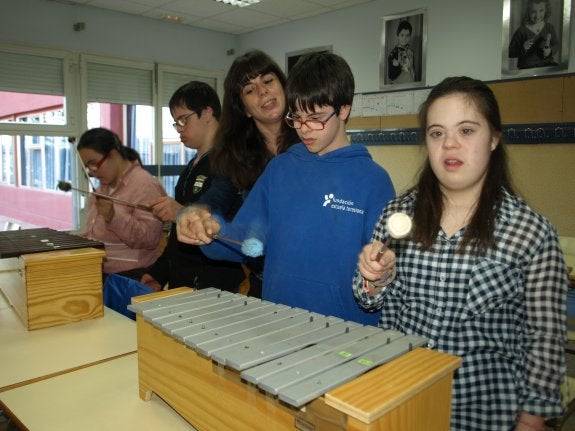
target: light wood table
101 397
28 356
3 301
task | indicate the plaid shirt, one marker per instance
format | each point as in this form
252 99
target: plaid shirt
502 312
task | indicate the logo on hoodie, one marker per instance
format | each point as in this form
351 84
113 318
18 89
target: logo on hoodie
330 201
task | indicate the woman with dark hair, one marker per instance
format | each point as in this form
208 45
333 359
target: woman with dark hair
131 234
251 133
482 275
252 130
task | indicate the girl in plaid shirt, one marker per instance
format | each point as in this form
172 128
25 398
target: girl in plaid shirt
482 275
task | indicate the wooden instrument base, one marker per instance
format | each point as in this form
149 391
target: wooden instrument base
412 392
54 287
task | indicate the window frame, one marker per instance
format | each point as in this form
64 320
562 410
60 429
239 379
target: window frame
75 83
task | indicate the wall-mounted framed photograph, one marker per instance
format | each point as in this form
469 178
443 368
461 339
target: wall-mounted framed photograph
536 37
293 56
403 50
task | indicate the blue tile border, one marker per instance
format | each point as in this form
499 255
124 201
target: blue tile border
544 133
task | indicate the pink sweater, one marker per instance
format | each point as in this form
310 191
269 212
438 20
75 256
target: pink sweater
133 235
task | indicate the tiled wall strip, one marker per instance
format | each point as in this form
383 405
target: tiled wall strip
551 133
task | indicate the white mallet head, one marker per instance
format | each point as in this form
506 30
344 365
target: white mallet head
399 225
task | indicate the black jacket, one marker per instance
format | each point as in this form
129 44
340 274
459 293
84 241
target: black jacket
184 264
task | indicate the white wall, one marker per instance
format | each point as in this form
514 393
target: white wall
464 36
50 24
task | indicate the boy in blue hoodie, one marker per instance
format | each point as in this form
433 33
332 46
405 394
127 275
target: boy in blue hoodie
313 207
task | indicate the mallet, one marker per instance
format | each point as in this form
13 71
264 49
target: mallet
251 247
398 226
65 186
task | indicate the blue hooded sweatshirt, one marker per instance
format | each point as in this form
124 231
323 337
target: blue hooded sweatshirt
313 215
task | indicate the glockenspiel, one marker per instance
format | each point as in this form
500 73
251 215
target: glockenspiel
51 277
225 361
15 243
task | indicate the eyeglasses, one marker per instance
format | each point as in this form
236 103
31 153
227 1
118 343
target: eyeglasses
94 166
182 121
313 124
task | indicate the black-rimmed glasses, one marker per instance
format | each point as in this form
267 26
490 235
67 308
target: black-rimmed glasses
182 121
313 124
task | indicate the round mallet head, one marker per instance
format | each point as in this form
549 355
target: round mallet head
399 225
65 186
252 247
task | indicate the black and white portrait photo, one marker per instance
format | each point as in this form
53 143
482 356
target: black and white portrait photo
402 51
535 36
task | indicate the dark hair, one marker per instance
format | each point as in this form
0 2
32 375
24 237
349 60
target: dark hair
239 151
429 204
530 3
103 141
196 96
320 78
403 25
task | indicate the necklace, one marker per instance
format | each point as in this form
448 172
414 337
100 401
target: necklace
536 28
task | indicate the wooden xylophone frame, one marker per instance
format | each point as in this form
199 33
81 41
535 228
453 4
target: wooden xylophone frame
54 287
412 392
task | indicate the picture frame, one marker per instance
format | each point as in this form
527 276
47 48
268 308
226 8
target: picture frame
403 50
536 37
293 56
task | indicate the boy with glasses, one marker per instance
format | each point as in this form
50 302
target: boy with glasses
196 110
314 206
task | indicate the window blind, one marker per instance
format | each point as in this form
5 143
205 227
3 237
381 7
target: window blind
172 81
119 84
36 74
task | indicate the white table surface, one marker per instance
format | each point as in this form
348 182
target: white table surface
100 397
3 301
26 356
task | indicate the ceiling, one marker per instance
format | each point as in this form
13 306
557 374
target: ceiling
212 15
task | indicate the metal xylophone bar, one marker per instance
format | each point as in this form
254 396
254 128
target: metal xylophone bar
322 382
271 344
328 358
259 374
26 241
